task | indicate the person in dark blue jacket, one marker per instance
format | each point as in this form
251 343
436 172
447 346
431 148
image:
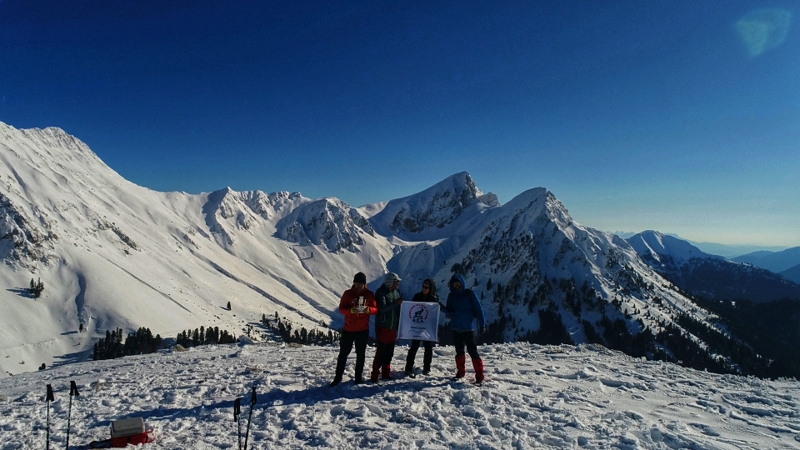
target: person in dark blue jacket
463 309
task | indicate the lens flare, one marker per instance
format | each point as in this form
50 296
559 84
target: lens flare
763 29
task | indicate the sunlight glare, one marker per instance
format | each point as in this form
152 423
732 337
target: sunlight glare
763 29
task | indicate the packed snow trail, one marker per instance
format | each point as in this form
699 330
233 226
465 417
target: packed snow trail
533 397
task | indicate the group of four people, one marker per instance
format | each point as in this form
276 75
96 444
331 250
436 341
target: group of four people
358 303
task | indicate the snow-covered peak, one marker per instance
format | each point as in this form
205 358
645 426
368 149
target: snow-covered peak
328 221
434 208
51 149
540 201
657 245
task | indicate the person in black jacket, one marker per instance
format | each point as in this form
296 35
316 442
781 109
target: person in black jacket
386 323
428 295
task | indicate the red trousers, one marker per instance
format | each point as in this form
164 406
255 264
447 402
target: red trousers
384 351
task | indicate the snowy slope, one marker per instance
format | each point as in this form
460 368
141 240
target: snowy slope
534 397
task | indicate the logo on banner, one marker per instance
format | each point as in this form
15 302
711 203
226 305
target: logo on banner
419 320
418 313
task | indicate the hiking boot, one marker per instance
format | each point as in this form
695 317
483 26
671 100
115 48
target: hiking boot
335 382
411 374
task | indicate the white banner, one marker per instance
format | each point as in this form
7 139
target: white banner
419 320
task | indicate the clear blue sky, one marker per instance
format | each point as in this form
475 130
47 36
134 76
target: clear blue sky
681 116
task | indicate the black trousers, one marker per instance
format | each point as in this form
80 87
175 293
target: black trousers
462 338
412 355
348 338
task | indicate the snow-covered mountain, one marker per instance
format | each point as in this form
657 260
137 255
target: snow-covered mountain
112 254
671 250
708 275
732 251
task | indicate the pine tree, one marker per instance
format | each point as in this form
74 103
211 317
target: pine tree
36 288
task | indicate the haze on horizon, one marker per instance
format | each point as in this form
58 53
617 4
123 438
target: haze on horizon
680 117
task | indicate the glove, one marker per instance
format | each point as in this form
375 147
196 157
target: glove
481 330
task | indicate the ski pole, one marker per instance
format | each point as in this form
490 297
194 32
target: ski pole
237 409
73 391
250 416
49 398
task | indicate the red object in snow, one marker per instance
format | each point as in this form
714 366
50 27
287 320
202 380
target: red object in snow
128 431
135 439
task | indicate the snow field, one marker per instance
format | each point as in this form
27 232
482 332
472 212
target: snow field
534 397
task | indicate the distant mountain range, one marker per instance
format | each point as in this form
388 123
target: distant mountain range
710 276
786 262
732 251
112 254
725 250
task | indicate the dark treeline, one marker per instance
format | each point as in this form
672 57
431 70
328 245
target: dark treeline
142 341
283 328
676 345
137 342
771 329
204 336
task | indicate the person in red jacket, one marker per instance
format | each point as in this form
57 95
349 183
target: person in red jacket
357 304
